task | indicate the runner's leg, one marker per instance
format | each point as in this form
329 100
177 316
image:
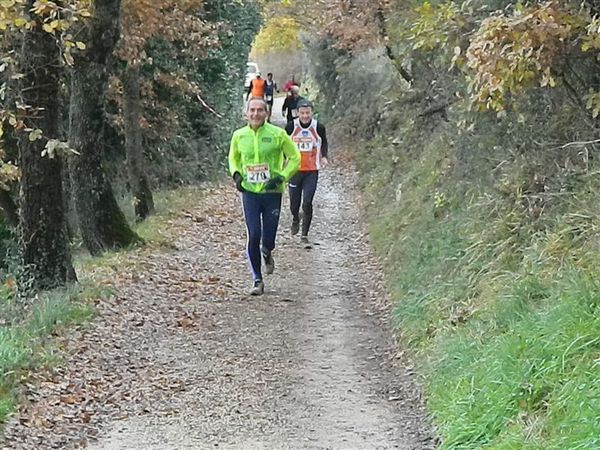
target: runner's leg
309 187
295 188
270 220
252 207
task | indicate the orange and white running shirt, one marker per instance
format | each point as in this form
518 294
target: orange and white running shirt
308 142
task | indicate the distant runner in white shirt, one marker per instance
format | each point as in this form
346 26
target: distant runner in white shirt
310 138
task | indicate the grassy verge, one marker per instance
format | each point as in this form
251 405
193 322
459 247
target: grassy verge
499 304
28 326
25 342
157 231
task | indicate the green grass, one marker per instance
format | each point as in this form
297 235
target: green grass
156 231
490 378
24 344
500 310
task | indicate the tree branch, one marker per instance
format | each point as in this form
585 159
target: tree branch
201 100
388 50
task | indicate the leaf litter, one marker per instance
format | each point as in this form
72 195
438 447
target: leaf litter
180 357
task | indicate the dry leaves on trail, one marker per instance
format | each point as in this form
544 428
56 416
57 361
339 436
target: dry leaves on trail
158 293
179 354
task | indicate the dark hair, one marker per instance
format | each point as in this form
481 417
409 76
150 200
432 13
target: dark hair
270 73
304 104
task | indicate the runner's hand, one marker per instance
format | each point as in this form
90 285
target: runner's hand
273 182
324 162
238 182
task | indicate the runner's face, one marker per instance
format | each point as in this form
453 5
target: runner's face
305 114
256 113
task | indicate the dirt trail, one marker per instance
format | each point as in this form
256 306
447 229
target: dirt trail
181 358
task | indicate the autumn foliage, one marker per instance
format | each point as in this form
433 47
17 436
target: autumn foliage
158 90
505 52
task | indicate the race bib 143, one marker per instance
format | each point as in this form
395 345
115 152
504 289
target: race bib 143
304 144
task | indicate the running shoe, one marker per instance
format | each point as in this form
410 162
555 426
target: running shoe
258 288
269 263
295 226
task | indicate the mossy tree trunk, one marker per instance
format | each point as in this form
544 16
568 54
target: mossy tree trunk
43 239
102 224
140 189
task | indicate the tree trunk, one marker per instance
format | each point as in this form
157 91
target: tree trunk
8 204
9 209
43 238
140 189
102 224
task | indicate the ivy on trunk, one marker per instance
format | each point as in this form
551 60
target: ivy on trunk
43 238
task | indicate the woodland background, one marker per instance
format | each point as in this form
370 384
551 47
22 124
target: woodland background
473 125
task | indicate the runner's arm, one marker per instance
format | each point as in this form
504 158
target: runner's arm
285 106
289 128
249 90
323 134
292 154
235 163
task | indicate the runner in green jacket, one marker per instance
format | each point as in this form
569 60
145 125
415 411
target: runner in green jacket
262 157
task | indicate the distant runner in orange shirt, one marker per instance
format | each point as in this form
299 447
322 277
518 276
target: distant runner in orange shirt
257 87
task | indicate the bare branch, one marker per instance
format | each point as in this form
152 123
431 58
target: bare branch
571 144
201 100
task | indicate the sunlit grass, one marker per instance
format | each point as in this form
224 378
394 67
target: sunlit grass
157 231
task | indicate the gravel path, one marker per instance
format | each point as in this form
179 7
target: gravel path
181 358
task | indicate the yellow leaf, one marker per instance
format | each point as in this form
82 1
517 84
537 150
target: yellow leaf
68 58
590 102
47 28
35 135
20 22
80 45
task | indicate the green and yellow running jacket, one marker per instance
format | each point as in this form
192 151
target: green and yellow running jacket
261 155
